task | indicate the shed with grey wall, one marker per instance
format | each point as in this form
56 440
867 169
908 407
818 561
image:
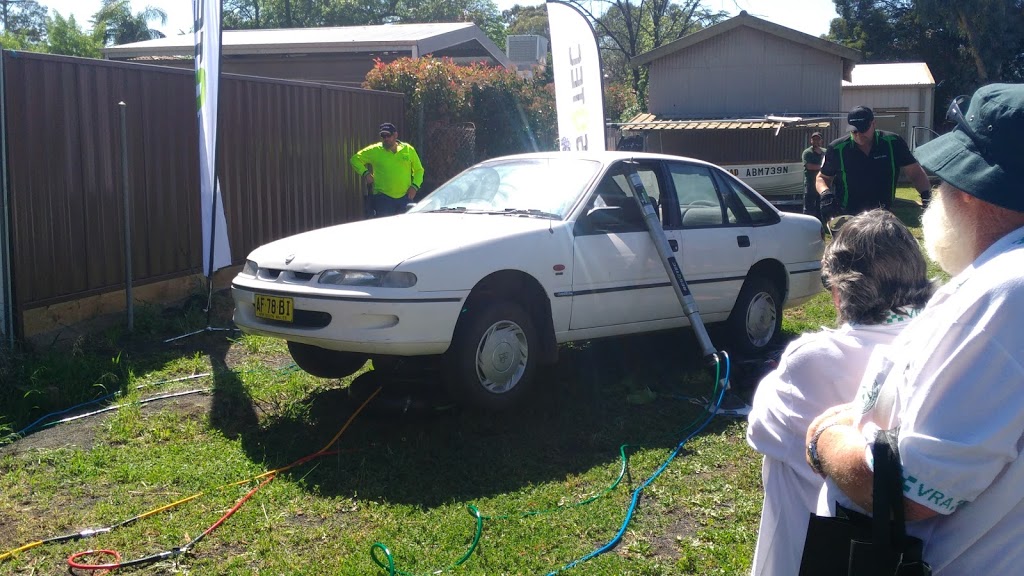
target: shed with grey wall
746 67
901 94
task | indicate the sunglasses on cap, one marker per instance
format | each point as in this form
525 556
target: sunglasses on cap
955 115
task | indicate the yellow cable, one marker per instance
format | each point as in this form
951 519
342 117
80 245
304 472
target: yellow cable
348 422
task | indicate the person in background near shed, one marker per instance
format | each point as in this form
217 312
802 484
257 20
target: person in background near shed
951 386
878 279
812 157
393 168
860 170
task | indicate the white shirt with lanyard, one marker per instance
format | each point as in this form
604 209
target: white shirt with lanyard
953 382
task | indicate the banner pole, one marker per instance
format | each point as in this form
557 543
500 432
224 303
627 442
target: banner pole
201 14
216 157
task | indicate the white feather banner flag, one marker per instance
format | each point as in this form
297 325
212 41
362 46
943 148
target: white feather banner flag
207 35
579 97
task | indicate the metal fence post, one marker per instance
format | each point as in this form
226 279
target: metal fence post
129 306
6 301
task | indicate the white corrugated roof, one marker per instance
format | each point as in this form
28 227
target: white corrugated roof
291 40
897 74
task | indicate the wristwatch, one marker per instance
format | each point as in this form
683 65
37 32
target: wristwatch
812 449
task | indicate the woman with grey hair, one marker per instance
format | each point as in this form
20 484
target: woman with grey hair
877 275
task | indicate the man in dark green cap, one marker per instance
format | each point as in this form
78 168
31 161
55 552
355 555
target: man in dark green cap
952 384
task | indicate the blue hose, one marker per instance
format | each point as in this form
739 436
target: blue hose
636 493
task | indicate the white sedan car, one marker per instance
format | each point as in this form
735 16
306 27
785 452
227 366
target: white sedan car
516 255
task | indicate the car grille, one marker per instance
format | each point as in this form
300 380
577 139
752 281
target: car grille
289 276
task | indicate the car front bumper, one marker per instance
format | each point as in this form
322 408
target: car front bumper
352 321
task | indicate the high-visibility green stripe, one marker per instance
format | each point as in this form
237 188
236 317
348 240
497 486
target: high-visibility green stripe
842 171
889 138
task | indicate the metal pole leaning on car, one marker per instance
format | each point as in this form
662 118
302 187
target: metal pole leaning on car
675 273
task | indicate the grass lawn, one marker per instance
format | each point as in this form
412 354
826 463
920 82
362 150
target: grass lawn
544 481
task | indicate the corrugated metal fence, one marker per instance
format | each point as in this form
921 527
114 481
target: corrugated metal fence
283 160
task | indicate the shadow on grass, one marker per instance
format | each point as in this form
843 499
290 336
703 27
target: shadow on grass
908 211
44 378
579 418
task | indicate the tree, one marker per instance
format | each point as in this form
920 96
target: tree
627 28
25 19
121 26
520 20
65 37
483 13
242 14
992 33
965 46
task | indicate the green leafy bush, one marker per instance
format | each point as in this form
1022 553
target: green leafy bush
463 114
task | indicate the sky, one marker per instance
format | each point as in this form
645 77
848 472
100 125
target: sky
809 16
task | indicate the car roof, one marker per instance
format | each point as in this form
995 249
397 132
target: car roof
605 157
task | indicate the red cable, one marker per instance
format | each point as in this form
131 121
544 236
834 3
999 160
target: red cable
229 512
108 568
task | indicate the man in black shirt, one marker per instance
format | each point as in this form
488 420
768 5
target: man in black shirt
860 170
812 157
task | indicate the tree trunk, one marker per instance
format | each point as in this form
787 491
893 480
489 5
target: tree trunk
972 45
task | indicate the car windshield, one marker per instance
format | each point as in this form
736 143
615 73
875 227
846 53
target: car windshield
545 187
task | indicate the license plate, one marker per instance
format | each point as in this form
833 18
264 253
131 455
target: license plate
279 308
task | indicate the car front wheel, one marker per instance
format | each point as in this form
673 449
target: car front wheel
756 319
492 360
325 363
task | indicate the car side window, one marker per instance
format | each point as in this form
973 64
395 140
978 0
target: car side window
744 207
612 207
699 202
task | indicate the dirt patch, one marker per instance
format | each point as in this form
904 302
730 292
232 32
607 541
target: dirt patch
666 544
82 433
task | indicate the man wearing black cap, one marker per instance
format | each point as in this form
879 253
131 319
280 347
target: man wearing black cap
860 170
393 168
812 157
952 384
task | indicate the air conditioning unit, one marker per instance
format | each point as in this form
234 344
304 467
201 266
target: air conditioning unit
526 49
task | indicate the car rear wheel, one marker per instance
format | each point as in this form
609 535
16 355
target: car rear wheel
493 358
325 363
756 319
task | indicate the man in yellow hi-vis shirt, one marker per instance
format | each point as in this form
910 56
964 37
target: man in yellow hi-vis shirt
393 169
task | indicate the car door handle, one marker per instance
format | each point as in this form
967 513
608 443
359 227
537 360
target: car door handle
743 241
674 245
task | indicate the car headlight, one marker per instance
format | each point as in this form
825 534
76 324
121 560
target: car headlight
250 268
375 278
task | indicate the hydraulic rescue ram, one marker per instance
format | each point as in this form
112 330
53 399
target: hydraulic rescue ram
675 273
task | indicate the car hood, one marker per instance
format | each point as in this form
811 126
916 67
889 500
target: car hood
384 243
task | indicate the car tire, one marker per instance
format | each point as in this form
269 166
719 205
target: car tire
325 363
756 318
493 357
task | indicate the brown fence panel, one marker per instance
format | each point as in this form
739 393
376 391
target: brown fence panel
351 120
64 156
283 163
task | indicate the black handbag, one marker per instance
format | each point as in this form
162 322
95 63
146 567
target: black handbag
858 545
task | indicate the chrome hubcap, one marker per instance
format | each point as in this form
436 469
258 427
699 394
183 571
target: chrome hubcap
501 357
761 319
